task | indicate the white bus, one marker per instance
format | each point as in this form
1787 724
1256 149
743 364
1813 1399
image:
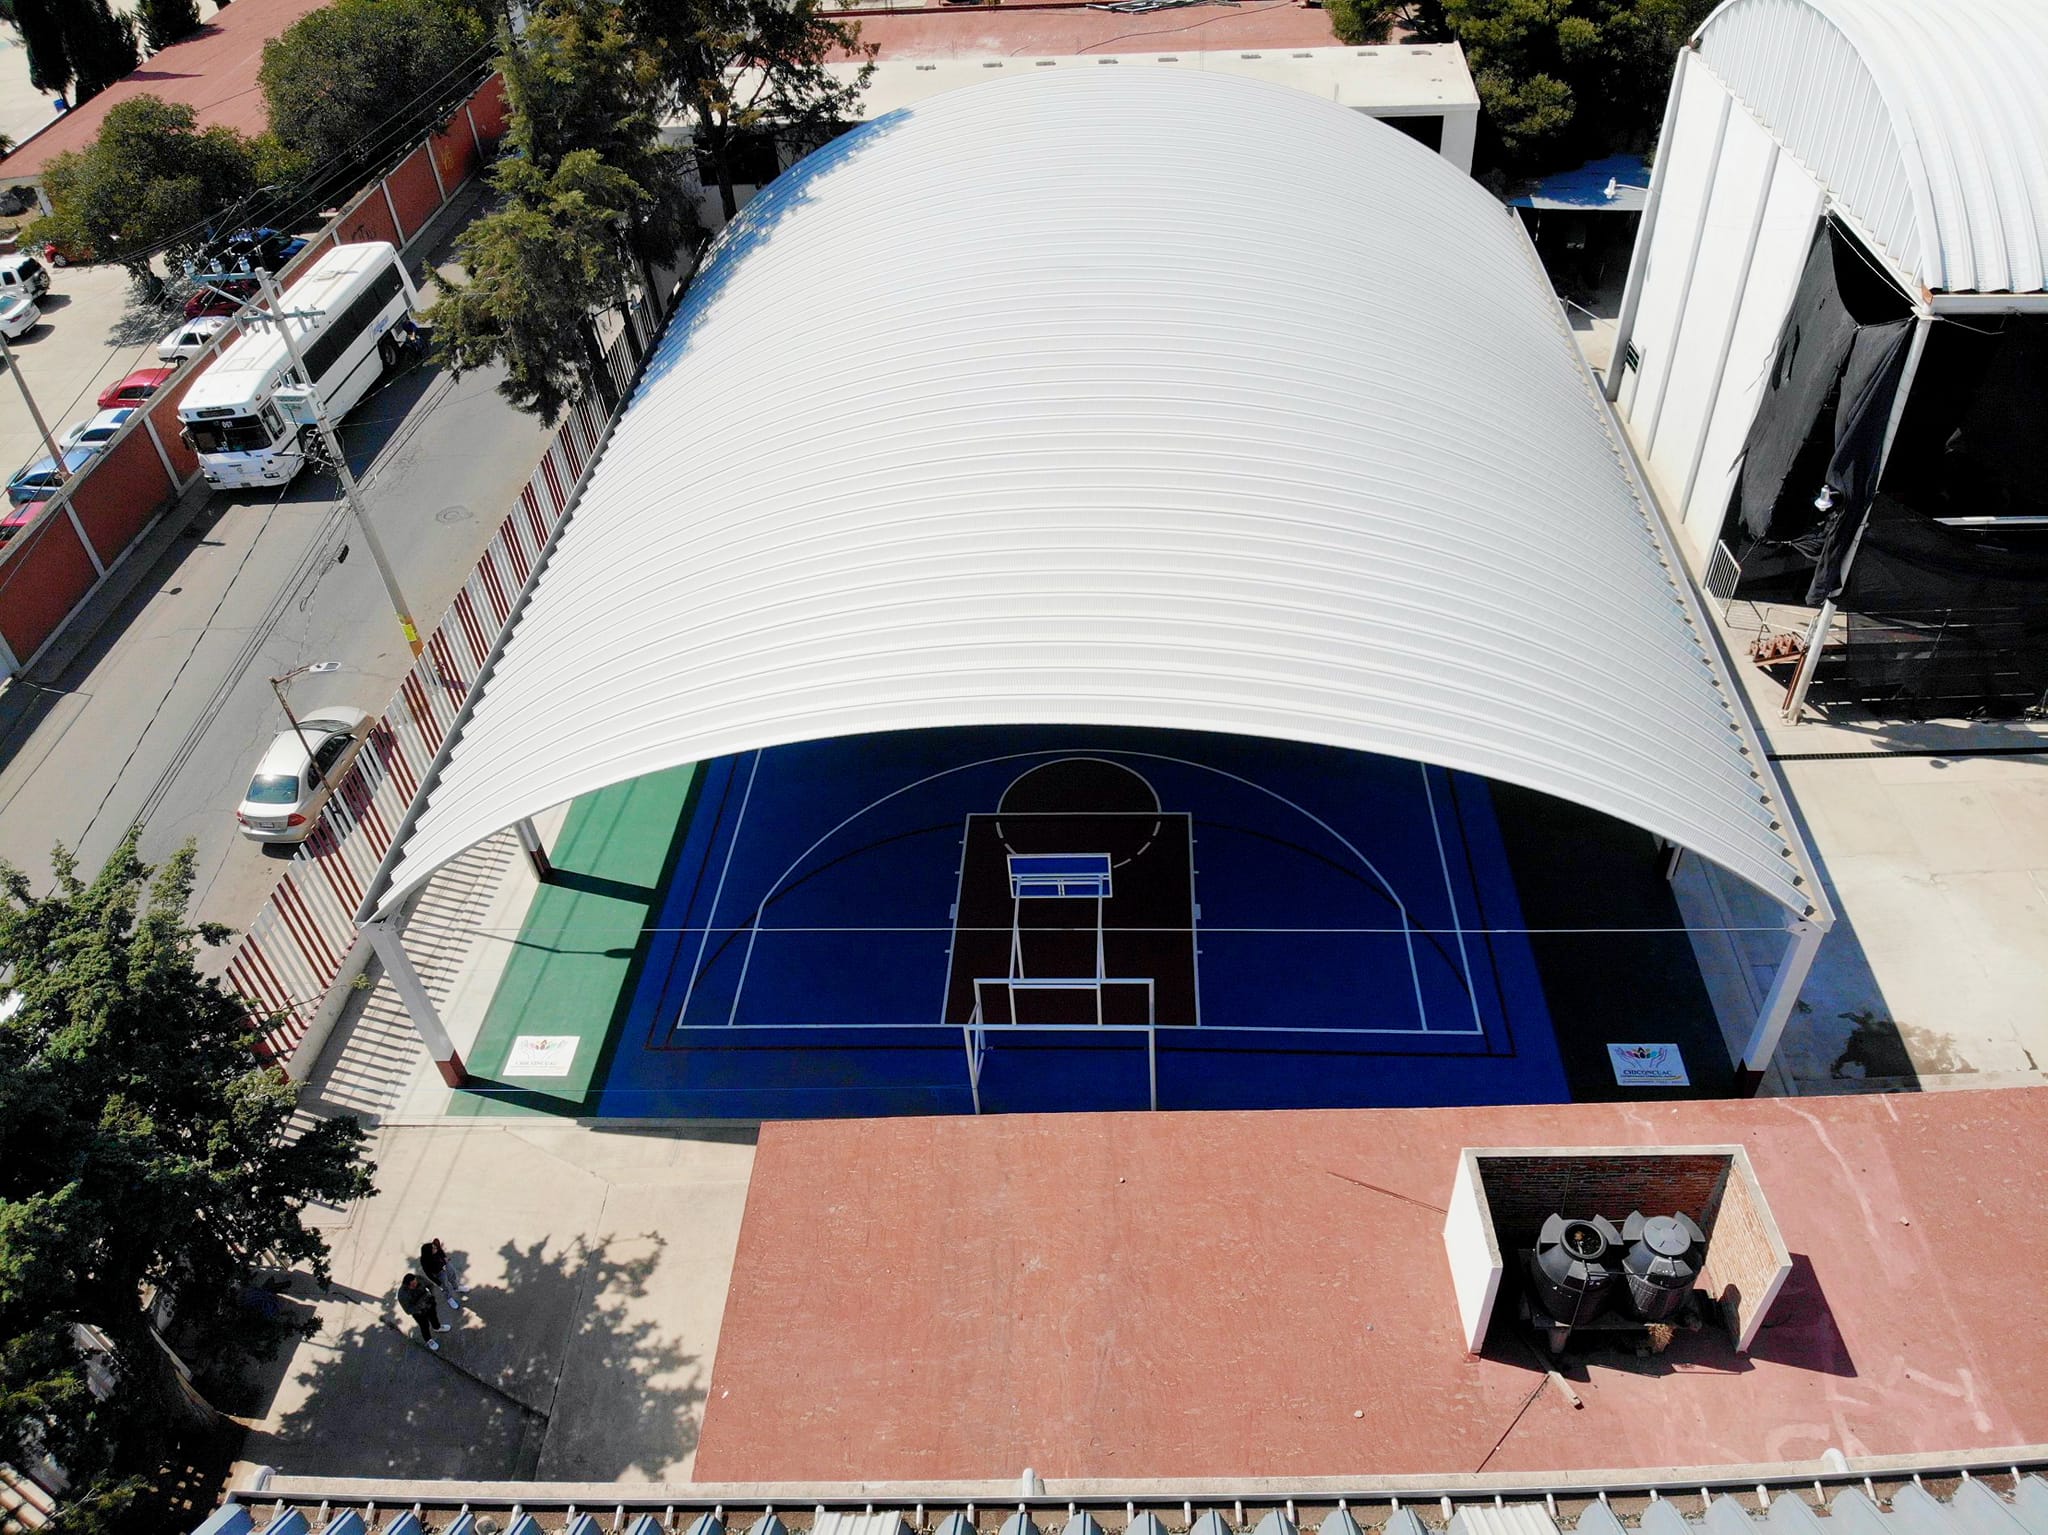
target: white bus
243 416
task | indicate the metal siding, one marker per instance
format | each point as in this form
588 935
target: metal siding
1932 138
966 422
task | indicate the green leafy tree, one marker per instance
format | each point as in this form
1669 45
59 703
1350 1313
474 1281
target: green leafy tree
355 81
151 1177
579 80
150 182
539 267
41 25
81 46
1363 21
1566 80
166 21
101 45
743 68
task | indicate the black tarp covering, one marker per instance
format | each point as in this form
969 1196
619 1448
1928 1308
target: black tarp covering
1845 315
1870 386
1812 346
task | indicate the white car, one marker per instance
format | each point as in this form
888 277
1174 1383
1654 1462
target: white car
97 431
287 792
18 315
191 338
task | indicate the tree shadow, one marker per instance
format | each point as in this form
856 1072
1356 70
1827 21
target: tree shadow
545 1371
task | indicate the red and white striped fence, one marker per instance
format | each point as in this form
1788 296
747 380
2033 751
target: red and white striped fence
302 948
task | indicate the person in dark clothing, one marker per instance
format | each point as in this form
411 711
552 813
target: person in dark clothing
434 1264
417 1301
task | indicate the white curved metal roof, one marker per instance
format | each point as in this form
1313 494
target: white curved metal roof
1926 119
1137 396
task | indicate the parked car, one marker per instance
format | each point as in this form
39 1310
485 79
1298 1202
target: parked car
135 388
15 518
288 791
97 431
40 479
246 249
221 298
18 315
60 254
191 338
22 273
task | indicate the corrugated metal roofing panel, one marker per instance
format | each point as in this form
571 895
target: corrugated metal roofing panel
968 420
1927 123
1507 1519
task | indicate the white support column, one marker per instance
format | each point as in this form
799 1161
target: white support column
389 943
1460 137
1778 1004
536 854
1639 258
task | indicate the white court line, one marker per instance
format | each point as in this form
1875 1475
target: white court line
1457 921
718 894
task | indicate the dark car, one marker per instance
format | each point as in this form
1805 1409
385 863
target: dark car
247 249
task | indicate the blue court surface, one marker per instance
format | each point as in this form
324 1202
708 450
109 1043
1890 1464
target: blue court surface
1080 918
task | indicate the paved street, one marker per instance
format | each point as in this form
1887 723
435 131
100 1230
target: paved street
162 716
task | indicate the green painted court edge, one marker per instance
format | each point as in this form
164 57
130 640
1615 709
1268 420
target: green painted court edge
573 966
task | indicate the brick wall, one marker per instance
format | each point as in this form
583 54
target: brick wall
1522 1188
1746 1261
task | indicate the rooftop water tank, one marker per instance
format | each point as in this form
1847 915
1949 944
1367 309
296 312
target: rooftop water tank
1575 1266
1662 1261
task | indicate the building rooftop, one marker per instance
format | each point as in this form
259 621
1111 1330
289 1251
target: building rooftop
213 71
999 31
1387 80
1230 1295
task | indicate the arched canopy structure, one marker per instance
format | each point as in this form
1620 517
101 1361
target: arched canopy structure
1926 123
1134 397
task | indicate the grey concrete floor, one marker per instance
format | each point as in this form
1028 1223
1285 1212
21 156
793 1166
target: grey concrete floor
161 716
598 1263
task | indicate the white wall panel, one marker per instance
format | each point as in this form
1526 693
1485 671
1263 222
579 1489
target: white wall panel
1790 219
1688 170
1738 194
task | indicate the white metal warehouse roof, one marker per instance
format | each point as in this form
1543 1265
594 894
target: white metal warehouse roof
1926 119
1130 397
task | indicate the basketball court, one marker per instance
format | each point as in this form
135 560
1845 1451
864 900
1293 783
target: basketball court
1079 918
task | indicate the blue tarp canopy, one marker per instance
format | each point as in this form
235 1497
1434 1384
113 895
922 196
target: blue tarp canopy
1617 184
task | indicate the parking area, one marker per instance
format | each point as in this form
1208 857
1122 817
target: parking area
90 335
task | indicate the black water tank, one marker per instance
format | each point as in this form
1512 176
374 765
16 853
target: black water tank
1575 1266
1663 1260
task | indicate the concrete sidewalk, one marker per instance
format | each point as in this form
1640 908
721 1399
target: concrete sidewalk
598 1263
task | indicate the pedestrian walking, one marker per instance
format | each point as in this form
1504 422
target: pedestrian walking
440 1274
417 1301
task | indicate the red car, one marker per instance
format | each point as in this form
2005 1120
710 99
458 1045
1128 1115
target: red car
213 300
135 388
18 517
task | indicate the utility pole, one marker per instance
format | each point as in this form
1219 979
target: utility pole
277 686
349 491
42 426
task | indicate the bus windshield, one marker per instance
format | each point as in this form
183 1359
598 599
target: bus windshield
233 434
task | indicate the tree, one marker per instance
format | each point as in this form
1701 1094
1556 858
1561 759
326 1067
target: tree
166 21
152 181
539 267
1363 21
580 81
100 44
75 43
738 69
1566 80
41 25
352 83
148 1167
